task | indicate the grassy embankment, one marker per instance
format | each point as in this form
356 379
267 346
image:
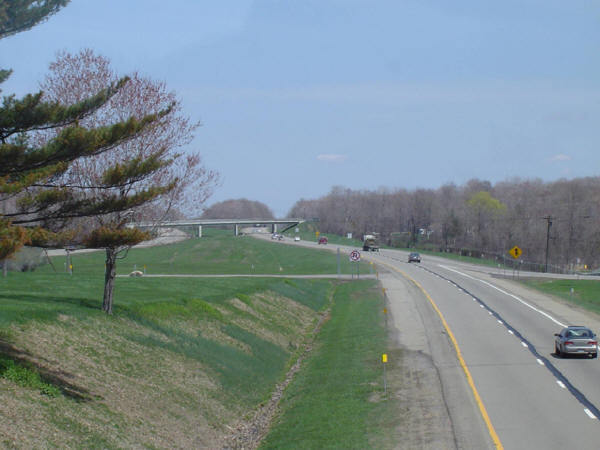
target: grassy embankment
586 293
182 359
336 401
218 252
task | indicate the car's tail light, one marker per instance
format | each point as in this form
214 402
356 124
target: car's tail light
568 343
593 343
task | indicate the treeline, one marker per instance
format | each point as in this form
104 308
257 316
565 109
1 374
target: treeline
554 222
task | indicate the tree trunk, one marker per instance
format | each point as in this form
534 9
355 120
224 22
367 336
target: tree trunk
109 279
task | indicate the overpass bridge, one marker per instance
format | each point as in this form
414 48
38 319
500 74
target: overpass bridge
197 224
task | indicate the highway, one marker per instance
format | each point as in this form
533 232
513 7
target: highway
504 333
507 389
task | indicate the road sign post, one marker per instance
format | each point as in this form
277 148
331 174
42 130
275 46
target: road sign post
516 253
355 258
384 360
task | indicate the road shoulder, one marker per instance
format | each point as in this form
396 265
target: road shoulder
439 408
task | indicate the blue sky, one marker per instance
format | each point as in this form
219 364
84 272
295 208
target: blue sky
297 96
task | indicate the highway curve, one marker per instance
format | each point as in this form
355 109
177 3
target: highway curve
515 393
478 350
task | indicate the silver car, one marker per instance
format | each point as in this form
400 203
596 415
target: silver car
575 340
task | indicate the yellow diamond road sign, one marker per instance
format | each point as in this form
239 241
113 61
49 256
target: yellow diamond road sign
515 252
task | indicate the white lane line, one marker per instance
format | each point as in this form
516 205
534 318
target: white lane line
506 293
511 331
540 362
500 322
482 306
523 344
589 413
561 384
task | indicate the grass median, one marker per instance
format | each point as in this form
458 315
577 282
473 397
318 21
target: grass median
337 400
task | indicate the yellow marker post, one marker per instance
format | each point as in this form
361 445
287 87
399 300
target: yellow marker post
385 312
384 359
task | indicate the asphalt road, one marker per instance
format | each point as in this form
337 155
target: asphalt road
522 396
505 333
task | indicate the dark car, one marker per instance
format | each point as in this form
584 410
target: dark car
575 340
322 240
414 257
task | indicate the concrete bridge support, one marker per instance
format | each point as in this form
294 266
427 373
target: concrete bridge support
199 231
236 230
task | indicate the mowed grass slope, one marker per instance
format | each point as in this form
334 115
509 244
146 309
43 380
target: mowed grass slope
179 364
217 252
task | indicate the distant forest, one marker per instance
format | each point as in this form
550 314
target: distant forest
554 222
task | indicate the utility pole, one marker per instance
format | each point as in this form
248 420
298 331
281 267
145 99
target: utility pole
549 219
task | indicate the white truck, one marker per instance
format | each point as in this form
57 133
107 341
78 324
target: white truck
370 243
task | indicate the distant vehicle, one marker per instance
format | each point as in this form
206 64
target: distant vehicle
280 237
322 240
575 340
414 257
370 243
297 238
276 236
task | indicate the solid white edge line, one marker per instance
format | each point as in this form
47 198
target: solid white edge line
589 413
507 293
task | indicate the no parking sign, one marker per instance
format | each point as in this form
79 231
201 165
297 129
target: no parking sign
354 256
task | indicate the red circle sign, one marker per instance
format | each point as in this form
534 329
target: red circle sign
354 255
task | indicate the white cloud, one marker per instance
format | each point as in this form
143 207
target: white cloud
560 157
332 158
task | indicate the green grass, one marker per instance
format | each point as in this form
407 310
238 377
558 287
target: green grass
336 400
217 252
52 323
166 319
586 293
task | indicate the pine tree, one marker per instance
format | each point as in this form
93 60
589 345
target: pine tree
21 15
30 174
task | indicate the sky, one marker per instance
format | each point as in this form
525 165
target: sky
298 96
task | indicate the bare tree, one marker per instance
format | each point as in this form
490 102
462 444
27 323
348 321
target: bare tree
149 168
